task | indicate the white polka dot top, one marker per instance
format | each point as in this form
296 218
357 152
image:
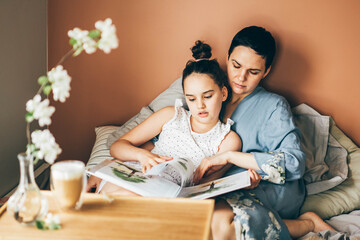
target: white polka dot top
178 140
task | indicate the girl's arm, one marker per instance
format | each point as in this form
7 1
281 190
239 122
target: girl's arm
231 142
240 159
126 148
215 166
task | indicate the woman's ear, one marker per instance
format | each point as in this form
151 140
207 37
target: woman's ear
267 72
225 93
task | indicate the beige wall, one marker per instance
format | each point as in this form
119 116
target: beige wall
317 60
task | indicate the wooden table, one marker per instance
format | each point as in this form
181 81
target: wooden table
123 218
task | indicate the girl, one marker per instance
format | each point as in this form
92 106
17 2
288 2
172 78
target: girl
194 134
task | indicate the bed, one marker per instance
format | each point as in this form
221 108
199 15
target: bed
333 168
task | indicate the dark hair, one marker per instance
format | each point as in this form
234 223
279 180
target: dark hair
203 65
258 39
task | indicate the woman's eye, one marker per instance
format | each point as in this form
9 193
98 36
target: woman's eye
235 66
208 96
191 99
254 73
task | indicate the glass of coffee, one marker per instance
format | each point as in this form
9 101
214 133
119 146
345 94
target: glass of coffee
68 183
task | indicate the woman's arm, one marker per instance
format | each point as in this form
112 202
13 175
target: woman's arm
126 148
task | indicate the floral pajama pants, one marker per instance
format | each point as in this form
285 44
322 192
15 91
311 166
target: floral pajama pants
253 220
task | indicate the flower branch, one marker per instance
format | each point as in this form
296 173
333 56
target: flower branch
41 143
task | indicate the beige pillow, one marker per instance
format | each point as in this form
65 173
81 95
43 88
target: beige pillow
100 149
345 197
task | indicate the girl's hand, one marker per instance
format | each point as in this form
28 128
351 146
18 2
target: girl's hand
210 165
255 179
149 159
93 182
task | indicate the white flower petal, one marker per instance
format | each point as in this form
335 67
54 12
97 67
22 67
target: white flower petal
45 142
60 83
108 39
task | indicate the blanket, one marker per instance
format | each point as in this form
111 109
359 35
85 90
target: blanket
347 226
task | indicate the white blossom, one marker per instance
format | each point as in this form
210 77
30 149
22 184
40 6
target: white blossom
60 83
40 110
108 39
45 142
79 35
83 40
89 45
52 219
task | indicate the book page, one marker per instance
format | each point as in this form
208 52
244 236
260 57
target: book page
134 180
184 167
217 187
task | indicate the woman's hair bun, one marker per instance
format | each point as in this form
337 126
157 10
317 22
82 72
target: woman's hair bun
201 50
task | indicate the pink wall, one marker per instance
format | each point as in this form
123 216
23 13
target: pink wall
317 60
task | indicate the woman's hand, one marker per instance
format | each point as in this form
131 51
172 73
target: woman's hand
210 165
149 159
255 179
93 182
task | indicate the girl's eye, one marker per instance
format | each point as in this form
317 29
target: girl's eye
236 66
208 96
191 99
254 72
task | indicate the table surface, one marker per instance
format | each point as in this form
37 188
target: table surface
123 218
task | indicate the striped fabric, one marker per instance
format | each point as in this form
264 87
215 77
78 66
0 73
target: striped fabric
100 150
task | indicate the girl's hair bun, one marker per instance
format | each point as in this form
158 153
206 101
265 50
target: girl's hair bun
201 50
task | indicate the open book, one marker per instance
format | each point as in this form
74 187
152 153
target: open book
155 184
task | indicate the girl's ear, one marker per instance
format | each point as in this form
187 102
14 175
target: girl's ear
224 91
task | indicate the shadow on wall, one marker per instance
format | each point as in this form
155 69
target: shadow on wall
290 70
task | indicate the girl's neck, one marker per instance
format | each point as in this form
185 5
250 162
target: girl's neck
199 127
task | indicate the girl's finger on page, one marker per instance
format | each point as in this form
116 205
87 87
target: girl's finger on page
200 174
159 160
146 167
152 162
165 158
196 177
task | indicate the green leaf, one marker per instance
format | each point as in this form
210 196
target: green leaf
42 80
47 90
32 147
29 117
36 160
40 224
72 41
94 34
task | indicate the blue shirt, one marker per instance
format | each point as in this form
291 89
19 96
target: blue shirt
264 122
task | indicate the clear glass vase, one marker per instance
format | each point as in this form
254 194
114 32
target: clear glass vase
27 204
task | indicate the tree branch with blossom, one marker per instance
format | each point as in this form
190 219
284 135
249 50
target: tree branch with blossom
41 143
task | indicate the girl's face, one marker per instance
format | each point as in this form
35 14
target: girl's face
245 70
204 98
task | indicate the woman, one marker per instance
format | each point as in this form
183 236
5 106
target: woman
271 145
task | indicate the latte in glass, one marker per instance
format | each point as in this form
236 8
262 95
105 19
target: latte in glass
68 183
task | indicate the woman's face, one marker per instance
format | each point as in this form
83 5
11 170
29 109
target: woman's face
245 70
204 98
